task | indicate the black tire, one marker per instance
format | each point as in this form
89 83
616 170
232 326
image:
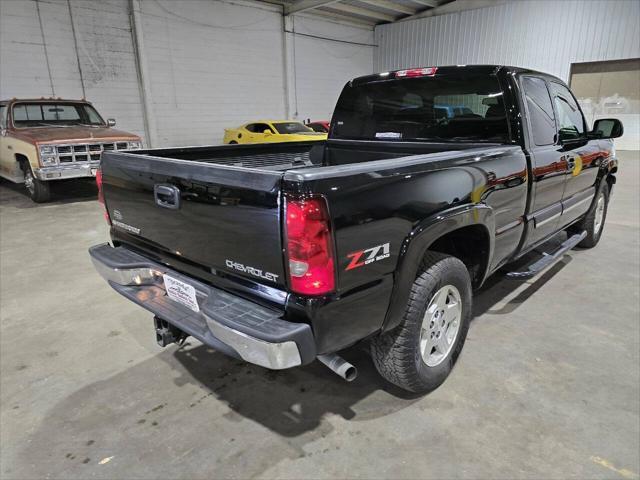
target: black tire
39 191
233 142
397 354
588 223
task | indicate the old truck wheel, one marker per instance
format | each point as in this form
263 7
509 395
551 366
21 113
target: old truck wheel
419 354
39 191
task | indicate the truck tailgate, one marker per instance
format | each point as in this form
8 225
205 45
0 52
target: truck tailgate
221 217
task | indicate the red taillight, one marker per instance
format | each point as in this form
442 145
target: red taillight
101 195
309 246
417 72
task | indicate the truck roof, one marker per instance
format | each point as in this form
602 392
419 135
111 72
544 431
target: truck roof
486 69
44 99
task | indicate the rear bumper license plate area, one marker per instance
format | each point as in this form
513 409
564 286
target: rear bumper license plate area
226 322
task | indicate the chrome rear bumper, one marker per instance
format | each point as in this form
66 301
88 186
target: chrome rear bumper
228 323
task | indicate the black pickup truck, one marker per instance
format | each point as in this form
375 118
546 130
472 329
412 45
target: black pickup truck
431 180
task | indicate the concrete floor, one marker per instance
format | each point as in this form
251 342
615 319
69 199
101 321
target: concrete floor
548 385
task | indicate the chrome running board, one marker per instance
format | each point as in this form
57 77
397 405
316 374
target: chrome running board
548 259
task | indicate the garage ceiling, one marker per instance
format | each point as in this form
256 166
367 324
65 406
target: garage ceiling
370 12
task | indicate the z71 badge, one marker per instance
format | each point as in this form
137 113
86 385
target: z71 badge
367 256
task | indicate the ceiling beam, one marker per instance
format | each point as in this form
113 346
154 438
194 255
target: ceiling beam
427 3
300 6
394 7
363 12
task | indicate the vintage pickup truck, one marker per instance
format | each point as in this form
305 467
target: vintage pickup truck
282 254
48 139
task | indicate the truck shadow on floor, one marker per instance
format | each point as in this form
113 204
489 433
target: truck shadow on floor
62 192
294 401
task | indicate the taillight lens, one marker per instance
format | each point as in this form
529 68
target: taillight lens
309 246
101 195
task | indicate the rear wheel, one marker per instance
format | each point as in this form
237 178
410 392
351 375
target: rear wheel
38 190
419 354
233 142
594 220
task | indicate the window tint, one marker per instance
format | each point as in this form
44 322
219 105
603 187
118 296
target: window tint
452 107
570 120
60 112
258 127
291 127
3 116
541 117
54 114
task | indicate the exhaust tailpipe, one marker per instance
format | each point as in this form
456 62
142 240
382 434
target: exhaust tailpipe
340 366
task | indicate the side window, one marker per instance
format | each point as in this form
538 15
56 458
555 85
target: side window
3 116
570 119
257 127
541 117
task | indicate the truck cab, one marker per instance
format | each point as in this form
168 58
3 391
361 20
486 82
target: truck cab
49 139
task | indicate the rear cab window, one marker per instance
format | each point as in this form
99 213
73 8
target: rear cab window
457 107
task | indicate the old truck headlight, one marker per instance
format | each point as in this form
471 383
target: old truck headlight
47 150
135 145
48 160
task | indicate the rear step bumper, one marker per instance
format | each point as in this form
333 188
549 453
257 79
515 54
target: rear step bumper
228 323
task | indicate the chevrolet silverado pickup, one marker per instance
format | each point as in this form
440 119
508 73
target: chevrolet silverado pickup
431 180
49 139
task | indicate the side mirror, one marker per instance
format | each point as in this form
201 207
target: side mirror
111 122
267 132
569 135
607 128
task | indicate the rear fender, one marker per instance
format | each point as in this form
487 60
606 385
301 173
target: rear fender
418 242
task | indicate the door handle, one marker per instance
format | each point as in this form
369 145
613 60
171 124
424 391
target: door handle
571 164
167 196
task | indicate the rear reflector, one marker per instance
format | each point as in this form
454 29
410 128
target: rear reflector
101 195
417 72
309 246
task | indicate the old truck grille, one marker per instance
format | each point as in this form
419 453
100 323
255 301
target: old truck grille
85 152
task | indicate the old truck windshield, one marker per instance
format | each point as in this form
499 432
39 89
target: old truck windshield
453 107
291 127
55 115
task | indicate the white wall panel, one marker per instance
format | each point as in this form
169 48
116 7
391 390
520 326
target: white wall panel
105 54
322 67
537 34
211 65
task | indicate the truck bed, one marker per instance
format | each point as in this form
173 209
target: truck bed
290 155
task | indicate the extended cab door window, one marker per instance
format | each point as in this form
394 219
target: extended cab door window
541 118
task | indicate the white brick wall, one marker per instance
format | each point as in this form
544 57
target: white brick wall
210 64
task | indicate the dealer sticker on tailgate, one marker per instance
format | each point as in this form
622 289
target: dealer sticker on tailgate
181 292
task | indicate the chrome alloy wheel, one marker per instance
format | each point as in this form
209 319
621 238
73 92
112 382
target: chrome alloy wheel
599 214
29 181
440 325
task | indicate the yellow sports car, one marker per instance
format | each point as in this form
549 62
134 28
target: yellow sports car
267 131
